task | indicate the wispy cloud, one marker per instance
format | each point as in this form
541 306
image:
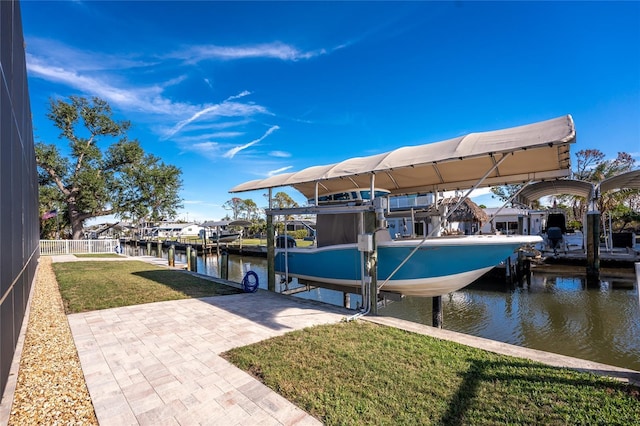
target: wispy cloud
280 154
227 108
146 99
233 151
275 50
278 171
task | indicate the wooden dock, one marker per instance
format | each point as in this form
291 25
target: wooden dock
203 248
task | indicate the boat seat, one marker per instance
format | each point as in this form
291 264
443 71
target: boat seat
383 235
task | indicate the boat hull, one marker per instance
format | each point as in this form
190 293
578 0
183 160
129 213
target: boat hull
439 266
225 238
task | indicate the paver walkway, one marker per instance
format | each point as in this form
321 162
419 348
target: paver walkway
159 363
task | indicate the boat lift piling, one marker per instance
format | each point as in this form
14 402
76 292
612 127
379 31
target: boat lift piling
593 245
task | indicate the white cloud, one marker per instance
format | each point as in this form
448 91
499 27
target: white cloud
205 147
275 50
147 99
227 108
278 171
233 151
280 154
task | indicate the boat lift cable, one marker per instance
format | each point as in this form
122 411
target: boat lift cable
462 199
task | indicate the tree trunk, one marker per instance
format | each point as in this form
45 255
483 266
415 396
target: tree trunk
76 221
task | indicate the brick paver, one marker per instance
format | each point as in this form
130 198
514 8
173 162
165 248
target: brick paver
159 363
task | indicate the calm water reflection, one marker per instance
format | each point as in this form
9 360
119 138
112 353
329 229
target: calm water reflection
555 313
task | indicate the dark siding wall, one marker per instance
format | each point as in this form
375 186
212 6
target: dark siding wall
19 225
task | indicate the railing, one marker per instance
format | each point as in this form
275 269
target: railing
54 247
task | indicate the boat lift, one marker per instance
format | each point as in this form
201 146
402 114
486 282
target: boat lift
534 152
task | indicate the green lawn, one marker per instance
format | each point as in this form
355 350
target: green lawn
360 373
88 286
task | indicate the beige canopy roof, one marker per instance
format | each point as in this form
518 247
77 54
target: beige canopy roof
535 151
535 191
628 180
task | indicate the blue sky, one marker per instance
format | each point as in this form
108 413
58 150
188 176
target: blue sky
236 91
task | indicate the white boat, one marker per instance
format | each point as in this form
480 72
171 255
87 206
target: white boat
224 237
427 266
437 265
219 232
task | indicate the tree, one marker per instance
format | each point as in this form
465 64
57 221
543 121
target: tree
251 209
121 181
282 200
591 166
504 192
236 205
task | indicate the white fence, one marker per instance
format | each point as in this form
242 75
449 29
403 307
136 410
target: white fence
53 247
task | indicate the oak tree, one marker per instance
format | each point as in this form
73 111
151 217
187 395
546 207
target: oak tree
95 179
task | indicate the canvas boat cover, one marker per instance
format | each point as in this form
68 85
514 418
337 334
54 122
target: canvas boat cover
537 151
537 190
628 180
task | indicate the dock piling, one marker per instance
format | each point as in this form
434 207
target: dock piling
593 244
224 263
172 255
436 312
194 260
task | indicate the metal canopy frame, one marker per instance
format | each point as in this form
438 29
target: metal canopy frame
538 151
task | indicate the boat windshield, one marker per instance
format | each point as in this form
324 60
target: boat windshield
348 196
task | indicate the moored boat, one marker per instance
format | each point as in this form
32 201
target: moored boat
439 266
358 252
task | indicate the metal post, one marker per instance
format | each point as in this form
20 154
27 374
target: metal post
370 228
271 251
172 255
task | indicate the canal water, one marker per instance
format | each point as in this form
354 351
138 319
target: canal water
556 312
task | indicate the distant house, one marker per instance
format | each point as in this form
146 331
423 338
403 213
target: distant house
170 230
509 220
308 225
107 230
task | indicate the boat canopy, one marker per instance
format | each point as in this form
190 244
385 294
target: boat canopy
537 151
588 190
537 190
628 180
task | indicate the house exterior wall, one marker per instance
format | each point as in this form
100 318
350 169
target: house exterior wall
508 219
19 224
